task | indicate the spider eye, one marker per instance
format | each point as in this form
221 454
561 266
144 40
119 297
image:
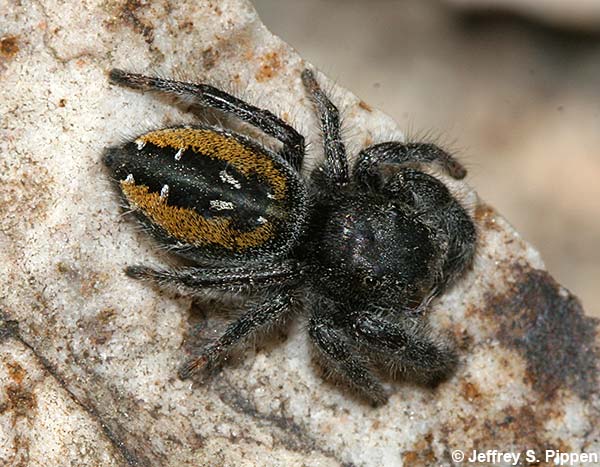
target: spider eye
370 281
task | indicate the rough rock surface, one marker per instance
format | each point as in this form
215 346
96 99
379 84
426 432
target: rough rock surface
88 358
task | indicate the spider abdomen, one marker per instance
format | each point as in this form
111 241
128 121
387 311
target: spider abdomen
209 192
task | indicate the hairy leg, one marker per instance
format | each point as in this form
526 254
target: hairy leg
407 346
209 96
194 279
335 151
433 202
370 160
258 315
340 357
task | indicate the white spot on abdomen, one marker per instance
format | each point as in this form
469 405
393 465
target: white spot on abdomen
220 205
164 191
227 178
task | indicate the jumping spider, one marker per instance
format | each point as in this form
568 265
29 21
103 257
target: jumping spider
365 248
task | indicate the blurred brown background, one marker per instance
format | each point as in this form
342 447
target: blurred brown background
517 96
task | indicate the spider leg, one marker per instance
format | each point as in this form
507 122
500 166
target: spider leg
195 279
335 150
406 346
434 203
369 160
463 243
209 96
339 356
258 315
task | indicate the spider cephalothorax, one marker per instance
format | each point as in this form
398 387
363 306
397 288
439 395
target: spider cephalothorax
367 249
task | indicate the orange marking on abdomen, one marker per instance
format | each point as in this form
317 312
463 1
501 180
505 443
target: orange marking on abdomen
218 146
189 226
